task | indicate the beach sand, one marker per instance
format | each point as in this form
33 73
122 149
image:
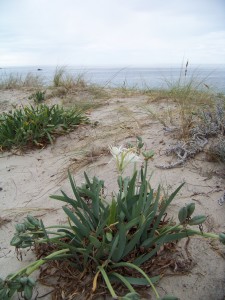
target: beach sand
28 179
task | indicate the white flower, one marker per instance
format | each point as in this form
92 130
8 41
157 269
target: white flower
124 157
115 150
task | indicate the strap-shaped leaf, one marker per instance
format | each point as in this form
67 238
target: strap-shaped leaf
132 266
112 212
121 243
107 281
149 201
162 211
75 203
134 240
131 186
126 181
143 258
75 192
131 204
113 246
81 229
74 240
167 238
126 212
148 222
44 230
142 281
142 195
153 212
123 279
95 242
83 215
132 223
87 179
102 222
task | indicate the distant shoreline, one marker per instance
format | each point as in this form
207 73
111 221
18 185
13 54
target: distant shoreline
153 77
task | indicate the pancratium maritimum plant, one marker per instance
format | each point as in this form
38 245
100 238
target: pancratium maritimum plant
124 157
106 243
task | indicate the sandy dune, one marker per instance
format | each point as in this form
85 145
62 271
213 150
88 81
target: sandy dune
27 180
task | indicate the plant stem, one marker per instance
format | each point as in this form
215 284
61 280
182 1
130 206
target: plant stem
35 265
204 234
50 239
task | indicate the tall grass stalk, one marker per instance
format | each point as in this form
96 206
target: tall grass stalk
62 78
190 93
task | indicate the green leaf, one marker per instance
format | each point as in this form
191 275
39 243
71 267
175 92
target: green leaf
131 186
121 243
28 291
113 247
190 209
162 211
222 238
44 230
112 212
107 281
132 223
15 241
81 229
132 266
142 281
134 240
182 215
131 296
121 278
95 242
197 220
143 258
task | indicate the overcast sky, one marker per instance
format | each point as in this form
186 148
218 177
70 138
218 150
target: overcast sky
111 32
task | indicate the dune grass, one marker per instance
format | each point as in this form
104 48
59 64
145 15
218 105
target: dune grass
189 93
17 81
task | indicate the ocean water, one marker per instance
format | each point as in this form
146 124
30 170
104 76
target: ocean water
212 76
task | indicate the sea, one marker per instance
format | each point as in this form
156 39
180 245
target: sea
151 77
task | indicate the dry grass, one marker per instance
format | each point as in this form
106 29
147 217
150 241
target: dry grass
11 81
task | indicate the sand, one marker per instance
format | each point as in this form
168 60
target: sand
27 180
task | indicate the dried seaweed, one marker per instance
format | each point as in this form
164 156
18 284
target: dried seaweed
67 282
212 124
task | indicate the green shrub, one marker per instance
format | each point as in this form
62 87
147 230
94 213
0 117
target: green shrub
38 96
36 126
111 242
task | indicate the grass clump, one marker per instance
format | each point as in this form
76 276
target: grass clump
16 81
65 84
105 244
36 126
190 93
62 78
38 96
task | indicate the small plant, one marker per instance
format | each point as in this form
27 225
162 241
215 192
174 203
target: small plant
37 126
107 242
62 78
38 97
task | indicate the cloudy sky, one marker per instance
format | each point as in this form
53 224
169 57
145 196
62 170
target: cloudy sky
111 32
